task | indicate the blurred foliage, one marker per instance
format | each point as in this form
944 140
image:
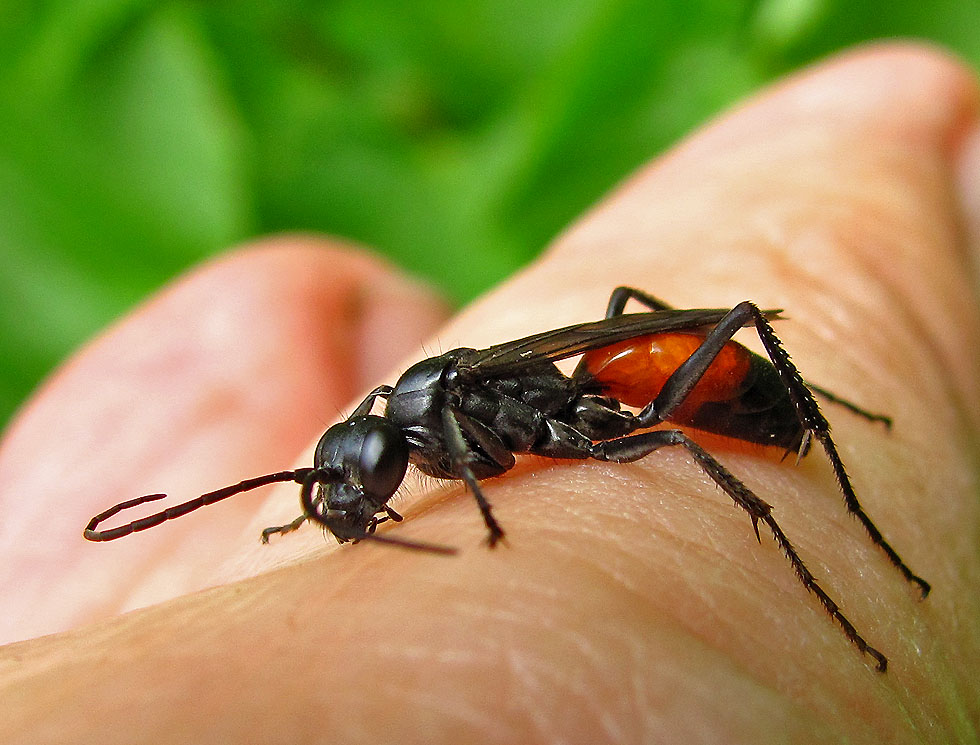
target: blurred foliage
137 137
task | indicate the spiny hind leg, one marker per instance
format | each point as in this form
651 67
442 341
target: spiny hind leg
633 447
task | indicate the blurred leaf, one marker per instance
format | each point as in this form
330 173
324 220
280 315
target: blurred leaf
134 172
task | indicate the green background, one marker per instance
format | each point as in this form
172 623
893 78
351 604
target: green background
138 137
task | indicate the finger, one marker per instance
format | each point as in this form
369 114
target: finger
612 615
226 374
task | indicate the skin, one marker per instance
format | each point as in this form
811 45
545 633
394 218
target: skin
631 602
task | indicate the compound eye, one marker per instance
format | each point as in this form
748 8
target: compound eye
383 461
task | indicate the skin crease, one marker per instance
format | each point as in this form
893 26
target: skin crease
631 603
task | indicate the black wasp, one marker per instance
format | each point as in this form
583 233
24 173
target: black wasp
466 413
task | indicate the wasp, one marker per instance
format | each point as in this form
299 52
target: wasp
466 414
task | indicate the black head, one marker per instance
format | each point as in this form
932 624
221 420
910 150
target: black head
358 465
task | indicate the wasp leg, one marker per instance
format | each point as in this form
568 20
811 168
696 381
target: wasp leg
813 420
682 381
850 405
686 376
621 295
634 447
462 456
283 529
364 408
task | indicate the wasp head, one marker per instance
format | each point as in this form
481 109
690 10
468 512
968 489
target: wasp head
358 465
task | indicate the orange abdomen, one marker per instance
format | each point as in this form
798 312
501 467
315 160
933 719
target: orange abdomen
634 371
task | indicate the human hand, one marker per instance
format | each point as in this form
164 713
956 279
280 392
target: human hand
631 603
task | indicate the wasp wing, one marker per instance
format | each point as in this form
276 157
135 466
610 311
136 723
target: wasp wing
559 344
